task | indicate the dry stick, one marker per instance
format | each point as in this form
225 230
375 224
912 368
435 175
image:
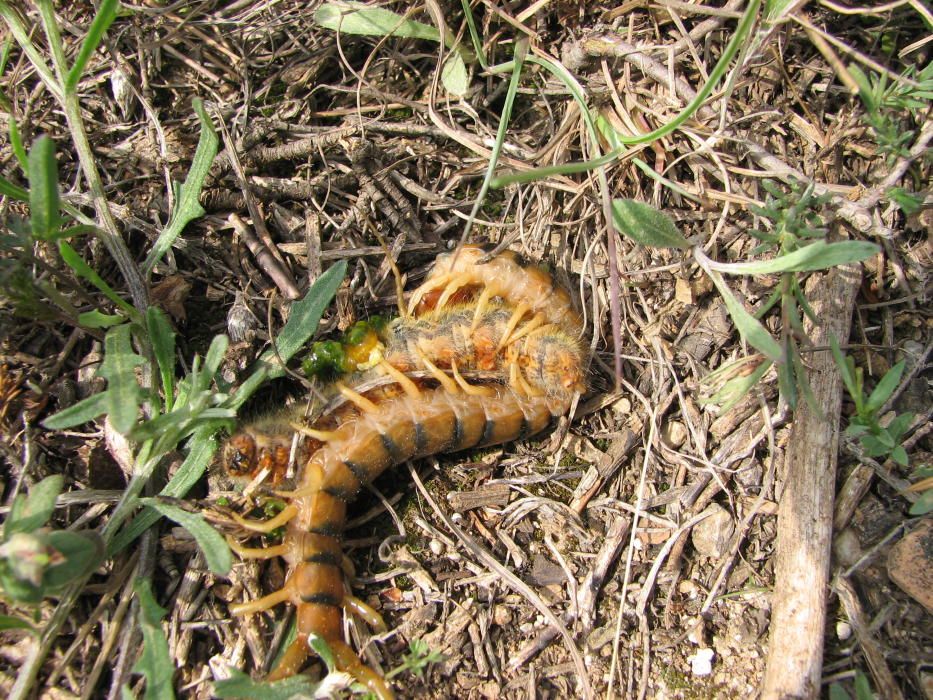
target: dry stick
805 516
884 680
512 581
269 264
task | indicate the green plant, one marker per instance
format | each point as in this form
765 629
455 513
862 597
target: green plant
862 689
865 425
923 486
887 102
418 658
36 561
795 236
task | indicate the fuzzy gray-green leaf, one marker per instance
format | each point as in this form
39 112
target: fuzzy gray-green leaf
365 20
646 225
119 369
156 661
44 199
215 549
32 511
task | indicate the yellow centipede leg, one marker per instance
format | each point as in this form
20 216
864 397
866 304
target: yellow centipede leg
428 286
264 603
312 478
518 382
450 386
267 525
408 386
357 607
471 389
319 435
537 322
481 303
279 550
517 315
291 661
348 661
461 280
357 399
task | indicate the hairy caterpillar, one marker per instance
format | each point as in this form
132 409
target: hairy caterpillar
424 405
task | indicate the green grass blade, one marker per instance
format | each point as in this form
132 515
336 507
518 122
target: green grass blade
819 255
885 388
302 323
8 189
156 661
106 13
213 546
74 260
240 685
44 200
16 144
119 369
187 205
162 338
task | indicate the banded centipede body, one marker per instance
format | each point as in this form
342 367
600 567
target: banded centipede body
527 371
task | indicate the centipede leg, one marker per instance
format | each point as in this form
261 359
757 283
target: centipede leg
267 525
408 386
319 435
357 399
517 316
291 661
518 382
264 603
468 388
424 289
365 612
279 550
453 287
481 303
348 661
450 386
538 321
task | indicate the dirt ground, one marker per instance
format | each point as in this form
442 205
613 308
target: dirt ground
646 523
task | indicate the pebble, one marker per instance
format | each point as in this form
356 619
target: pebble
674 434
910 564
711 535
701 663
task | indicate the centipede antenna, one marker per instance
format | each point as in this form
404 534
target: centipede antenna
450 386
279 550
267 525
366 613
357 399
264 603
427 286
517 315
461 280
408 386
319 435
481 303
471 389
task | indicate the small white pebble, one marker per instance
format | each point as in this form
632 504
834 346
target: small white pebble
437 547
701 663
843 630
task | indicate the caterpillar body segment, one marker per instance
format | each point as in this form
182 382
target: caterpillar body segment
362 446
508 276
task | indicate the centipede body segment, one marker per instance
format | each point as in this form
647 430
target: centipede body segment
531 366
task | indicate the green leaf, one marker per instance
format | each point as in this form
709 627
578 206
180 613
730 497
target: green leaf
85 410
83 551
98 319
899 425
899 455
162 338
30 512
82 269
357 18
8 622
119 369
187 204
846 367
776 10
924 504
215 355
240 685
885 388
751 330
44 200
302 323
454 74
646 225
106 13
837 692
16 145
736 388
201 453
862 687
156 661
819 255
908 202
8 189
215 549
323 650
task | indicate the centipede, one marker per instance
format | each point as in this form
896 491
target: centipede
467 368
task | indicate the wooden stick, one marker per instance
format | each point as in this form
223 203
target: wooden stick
805 517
